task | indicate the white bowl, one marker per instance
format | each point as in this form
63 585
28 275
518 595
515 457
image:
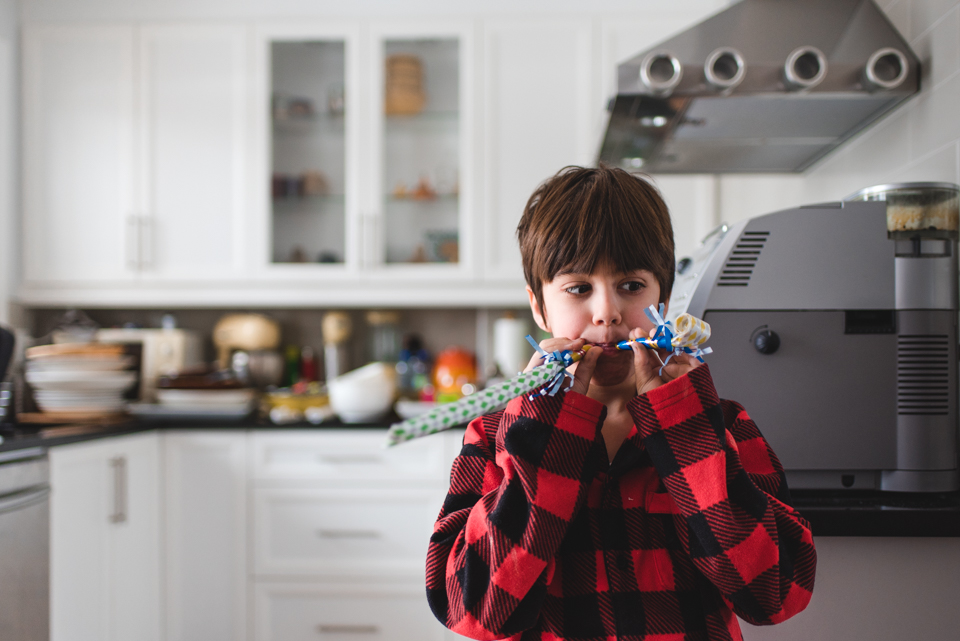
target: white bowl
363 395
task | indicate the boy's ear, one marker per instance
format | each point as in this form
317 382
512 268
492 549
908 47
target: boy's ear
535 308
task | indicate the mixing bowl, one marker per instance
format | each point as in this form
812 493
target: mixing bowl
363 395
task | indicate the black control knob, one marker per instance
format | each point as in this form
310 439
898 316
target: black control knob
766 341
683 265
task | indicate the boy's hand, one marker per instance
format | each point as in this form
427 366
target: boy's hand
647 366
583 368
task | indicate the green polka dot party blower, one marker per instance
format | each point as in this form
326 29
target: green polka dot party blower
550 376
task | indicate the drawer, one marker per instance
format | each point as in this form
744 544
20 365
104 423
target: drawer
343 533
352 456
309 612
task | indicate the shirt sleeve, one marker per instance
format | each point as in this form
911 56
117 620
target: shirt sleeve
734 516
520 479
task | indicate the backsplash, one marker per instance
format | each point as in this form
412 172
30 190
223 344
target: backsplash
439 328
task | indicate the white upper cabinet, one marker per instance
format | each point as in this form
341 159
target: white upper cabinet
193 97
78 114
134 153
540 107
365 147
325 162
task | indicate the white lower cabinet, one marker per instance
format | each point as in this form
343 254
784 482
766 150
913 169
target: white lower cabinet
230 535
337 612
105 540
205 527
340 534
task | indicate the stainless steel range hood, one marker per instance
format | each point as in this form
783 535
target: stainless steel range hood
764 86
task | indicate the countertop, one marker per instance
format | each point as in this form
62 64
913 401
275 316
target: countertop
830 512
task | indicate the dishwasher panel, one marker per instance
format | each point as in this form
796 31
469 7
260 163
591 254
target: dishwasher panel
24 546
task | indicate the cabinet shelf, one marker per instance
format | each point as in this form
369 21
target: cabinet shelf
317 203
300 125
439 121
435 200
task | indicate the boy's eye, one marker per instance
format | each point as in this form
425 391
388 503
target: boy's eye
632 286
578 289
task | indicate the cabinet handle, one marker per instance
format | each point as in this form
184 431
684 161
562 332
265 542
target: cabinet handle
119 465
348 534
367 459
146 242
133 242
334 628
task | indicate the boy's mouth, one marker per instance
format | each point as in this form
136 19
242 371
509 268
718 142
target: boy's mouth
609 349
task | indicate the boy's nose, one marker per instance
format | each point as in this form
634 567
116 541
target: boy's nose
606 311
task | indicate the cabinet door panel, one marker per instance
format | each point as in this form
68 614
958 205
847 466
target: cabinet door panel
205 543
539 88
343 532
79 543
193 160
348 456
135 542
78 153
340 612
104 540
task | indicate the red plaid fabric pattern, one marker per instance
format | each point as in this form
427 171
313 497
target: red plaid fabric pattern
541 537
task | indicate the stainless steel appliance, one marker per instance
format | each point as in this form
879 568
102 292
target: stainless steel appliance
24 546
764 86
840 341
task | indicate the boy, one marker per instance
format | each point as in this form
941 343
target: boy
637 505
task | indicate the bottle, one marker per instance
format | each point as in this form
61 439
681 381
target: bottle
413 368
308 365
385 336
291 370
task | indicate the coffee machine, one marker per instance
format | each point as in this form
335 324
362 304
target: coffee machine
835 325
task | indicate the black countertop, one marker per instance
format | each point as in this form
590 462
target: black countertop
830 512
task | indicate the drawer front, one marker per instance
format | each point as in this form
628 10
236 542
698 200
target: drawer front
286 612
327 532
350 455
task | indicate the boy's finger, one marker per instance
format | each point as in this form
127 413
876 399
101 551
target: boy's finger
585 368
646 368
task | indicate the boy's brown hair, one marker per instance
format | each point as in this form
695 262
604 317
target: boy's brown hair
581 218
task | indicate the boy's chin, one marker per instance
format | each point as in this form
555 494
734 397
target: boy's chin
613 370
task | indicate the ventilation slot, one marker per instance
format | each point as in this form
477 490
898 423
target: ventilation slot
923 374
743 259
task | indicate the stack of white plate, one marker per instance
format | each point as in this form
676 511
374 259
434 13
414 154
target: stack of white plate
198 403
76 381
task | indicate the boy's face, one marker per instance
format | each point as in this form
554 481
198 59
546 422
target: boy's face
602 308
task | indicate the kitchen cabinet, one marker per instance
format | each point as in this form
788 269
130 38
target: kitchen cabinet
340 532
105 540
205 525
134 154
78 124
365 150
540 108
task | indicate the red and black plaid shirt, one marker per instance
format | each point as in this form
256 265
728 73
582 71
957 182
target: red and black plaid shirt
541 537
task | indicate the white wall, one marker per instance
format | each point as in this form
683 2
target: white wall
920 140
8 155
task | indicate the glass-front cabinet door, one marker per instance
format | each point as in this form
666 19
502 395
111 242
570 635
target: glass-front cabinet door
365 150
309 118
420 150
